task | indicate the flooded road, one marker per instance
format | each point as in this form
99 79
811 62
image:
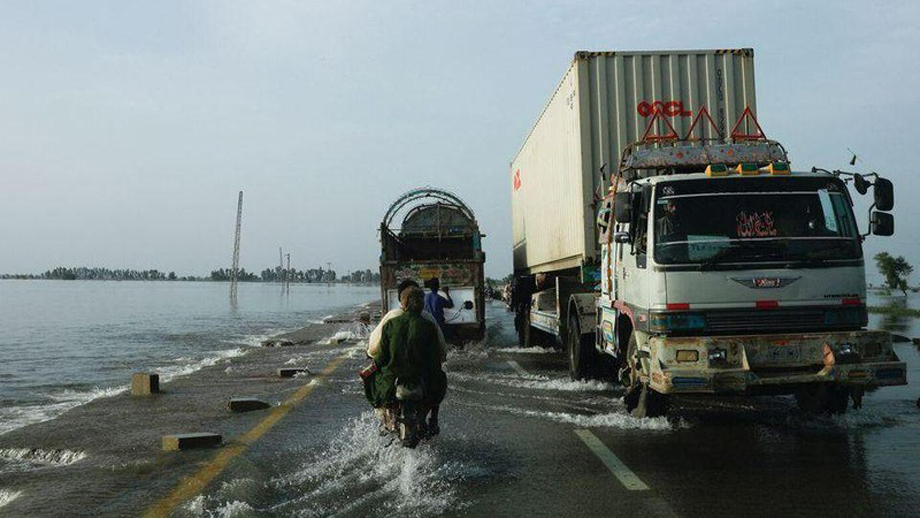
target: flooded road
518 438
513 443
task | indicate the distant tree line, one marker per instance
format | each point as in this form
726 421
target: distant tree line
222 274
84 273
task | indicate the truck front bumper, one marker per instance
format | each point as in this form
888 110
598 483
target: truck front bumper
770 363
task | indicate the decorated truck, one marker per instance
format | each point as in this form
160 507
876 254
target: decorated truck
663 240
437 237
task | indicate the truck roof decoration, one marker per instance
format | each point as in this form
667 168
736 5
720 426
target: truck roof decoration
418 205
667 152
684 154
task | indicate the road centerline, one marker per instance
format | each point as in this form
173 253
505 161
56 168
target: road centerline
198 481
625 475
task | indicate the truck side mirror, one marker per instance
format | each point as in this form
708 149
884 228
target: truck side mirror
882 224
623 207
621 237
884 194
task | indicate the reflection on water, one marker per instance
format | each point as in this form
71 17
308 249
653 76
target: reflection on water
892 321
898 324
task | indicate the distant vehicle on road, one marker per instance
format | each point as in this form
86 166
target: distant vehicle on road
437 237
663 240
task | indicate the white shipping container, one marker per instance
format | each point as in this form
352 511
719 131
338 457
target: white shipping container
605 102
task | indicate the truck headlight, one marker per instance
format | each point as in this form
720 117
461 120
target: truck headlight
717 355
661 322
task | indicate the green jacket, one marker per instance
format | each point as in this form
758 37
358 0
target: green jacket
409 351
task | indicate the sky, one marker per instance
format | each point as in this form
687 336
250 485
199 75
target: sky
128 128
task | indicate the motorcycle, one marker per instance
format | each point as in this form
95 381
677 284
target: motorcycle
406 417
410 414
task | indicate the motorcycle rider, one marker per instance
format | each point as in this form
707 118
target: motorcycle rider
373 341
409 351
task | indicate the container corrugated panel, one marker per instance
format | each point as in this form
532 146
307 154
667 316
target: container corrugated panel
603 104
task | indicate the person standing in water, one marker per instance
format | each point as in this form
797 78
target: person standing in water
435 303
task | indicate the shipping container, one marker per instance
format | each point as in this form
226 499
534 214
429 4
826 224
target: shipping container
430 233
606 101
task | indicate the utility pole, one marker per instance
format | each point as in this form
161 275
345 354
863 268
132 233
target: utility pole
281 274
287 278
329 271
235 269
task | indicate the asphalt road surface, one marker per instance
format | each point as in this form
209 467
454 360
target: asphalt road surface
518 439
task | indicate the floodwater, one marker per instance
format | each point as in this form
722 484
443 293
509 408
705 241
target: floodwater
509 448
65 343
511 445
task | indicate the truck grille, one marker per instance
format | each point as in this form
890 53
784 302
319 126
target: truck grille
765 320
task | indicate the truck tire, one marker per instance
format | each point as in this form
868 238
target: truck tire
823 398
582 356
640 400
522 326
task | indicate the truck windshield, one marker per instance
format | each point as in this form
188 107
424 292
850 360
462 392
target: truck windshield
764 219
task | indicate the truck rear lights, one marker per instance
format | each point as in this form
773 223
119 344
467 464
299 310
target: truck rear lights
667 322
766 304
687 356
676 306
717 355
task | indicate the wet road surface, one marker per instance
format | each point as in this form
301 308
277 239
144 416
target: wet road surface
518 438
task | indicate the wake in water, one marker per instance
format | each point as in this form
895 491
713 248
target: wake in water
359 474
17 460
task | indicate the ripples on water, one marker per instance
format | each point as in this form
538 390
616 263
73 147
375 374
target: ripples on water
359 473
65 343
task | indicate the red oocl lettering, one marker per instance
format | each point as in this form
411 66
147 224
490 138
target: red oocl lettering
669 108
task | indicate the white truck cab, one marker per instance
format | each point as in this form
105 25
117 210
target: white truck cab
724 275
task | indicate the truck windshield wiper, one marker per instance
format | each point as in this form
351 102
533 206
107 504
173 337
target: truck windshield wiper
808 262
716 258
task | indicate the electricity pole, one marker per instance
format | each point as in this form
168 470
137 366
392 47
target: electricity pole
235 269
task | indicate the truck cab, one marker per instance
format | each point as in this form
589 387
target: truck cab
738 276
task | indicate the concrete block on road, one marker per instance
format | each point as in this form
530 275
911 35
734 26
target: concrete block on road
290 372
246 404
277 342
144 384
187 441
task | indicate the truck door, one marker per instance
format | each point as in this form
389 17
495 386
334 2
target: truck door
631 279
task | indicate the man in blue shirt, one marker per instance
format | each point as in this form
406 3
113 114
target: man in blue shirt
435 303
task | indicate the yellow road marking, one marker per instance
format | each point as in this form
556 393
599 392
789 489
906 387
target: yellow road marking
195 483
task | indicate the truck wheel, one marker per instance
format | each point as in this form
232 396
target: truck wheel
522 326
640 400
838 400
823 398
581 352
647 403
